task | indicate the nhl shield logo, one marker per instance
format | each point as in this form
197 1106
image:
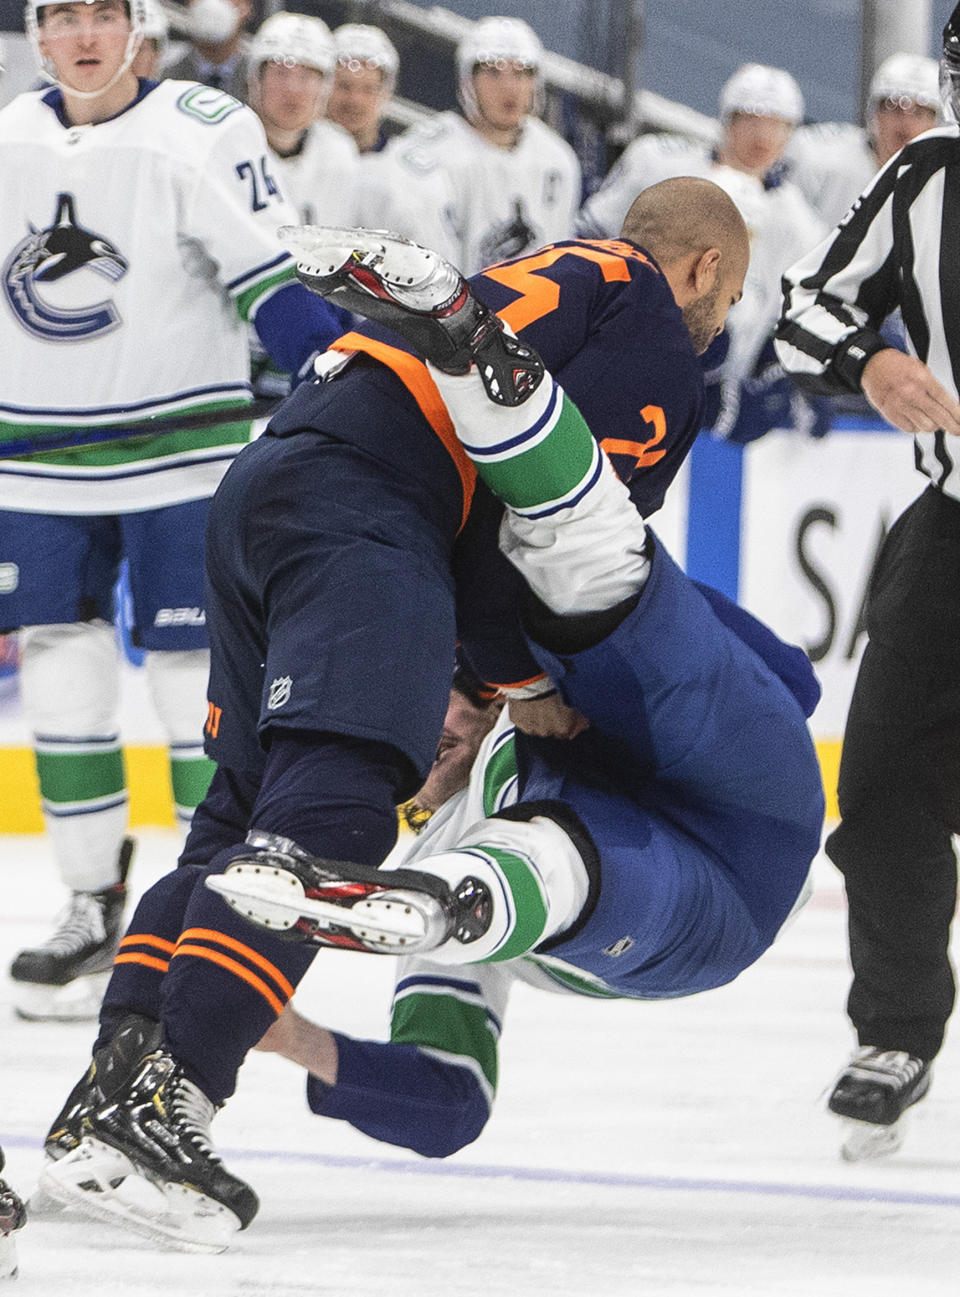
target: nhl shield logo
279 693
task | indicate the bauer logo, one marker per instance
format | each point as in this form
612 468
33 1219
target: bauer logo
180 617
619 947
279 693
35 271
9 577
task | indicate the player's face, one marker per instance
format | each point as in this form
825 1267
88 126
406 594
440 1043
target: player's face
754 144
464 729
706 316
85 42
290 97
898 121
357 99
504 93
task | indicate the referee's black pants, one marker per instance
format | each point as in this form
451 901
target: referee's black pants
899 788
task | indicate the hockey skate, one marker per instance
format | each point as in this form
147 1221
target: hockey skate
13 1216
873 1093
64 979
420 296
352 907
146 1162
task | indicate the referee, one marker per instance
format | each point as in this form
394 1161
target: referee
899 789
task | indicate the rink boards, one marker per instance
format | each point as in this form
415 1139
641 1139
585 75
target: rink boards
788 525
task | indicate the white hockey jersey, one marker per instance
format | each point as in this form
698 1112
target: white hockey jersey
781 224
477 203
321 179
134 251
831 163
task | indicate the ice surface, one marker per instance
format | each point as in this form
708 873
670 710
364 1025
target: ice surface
671 1149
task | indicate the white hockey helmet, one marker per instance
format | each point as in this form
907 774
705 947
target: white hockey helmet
497 41
358 45
761 91
156 27
292 39
907 79
137 10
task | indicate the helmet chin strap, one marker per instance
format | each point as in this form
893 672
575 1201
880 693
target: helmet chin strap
134 41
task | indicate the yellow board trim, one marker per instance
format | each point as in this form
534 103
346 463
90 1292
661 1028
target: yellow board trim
151 799
148 778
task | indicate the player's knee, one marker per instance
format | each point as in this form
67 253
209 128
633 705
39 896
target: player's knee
69 677
178 683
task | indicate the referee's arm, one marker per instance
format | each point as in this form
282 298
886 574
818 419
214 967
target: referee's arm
835 300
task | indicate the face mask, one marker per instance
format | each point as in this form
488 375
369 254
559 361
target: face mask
213 21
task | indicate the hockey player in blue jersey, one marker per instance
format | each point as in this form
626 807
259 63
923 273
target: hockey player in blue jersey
334 558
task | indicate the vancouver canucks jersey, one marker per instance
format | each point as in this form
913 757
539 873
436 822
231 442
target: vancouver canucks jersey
320 179
477 203
134 253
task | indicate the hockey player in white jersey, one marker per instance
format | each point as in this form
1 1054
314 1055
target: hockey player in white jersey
833 162
497 181
291 64
138 242
759 108
364 80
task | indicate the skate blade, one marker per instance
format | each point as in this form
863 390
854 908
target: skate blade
105 1185
273 898
325 249
77 1001
41 1206
866 1142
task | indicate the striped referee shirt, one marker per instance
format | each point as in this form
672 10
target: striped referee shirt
898 246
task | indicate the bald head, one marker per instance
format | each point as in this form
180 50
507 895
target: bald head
686 215
693 230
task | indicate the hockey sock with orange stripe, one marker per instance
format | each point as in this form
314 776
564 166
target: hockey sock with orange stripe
145 950
227 982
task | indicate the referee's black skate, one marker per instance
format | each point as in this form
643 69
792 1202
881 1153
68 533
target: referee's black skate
146 1161
13 1216
873 1093
420 296
353 907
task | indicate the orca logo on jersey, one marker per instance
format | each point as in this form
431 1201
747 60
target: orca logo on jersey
507 239
50 255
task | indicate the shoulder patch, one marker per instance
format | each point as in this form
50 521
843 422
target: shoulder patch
207 105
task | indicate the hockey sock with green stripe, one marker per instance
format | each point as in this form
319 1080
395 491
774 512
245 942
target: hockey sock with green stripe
571 528
536 456
537 881
84 798
190 775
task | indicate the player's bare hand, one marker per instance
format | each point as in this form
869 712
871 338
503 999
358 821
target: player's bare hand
547 718
904 391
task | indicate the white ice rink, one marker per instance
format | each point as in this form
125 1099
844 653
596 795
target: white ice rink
673 1149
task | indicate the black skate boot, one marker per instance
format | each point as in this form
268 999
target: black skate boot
109 1072
873 1092
420 296
64 979
13 1216
156 1132
338 903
